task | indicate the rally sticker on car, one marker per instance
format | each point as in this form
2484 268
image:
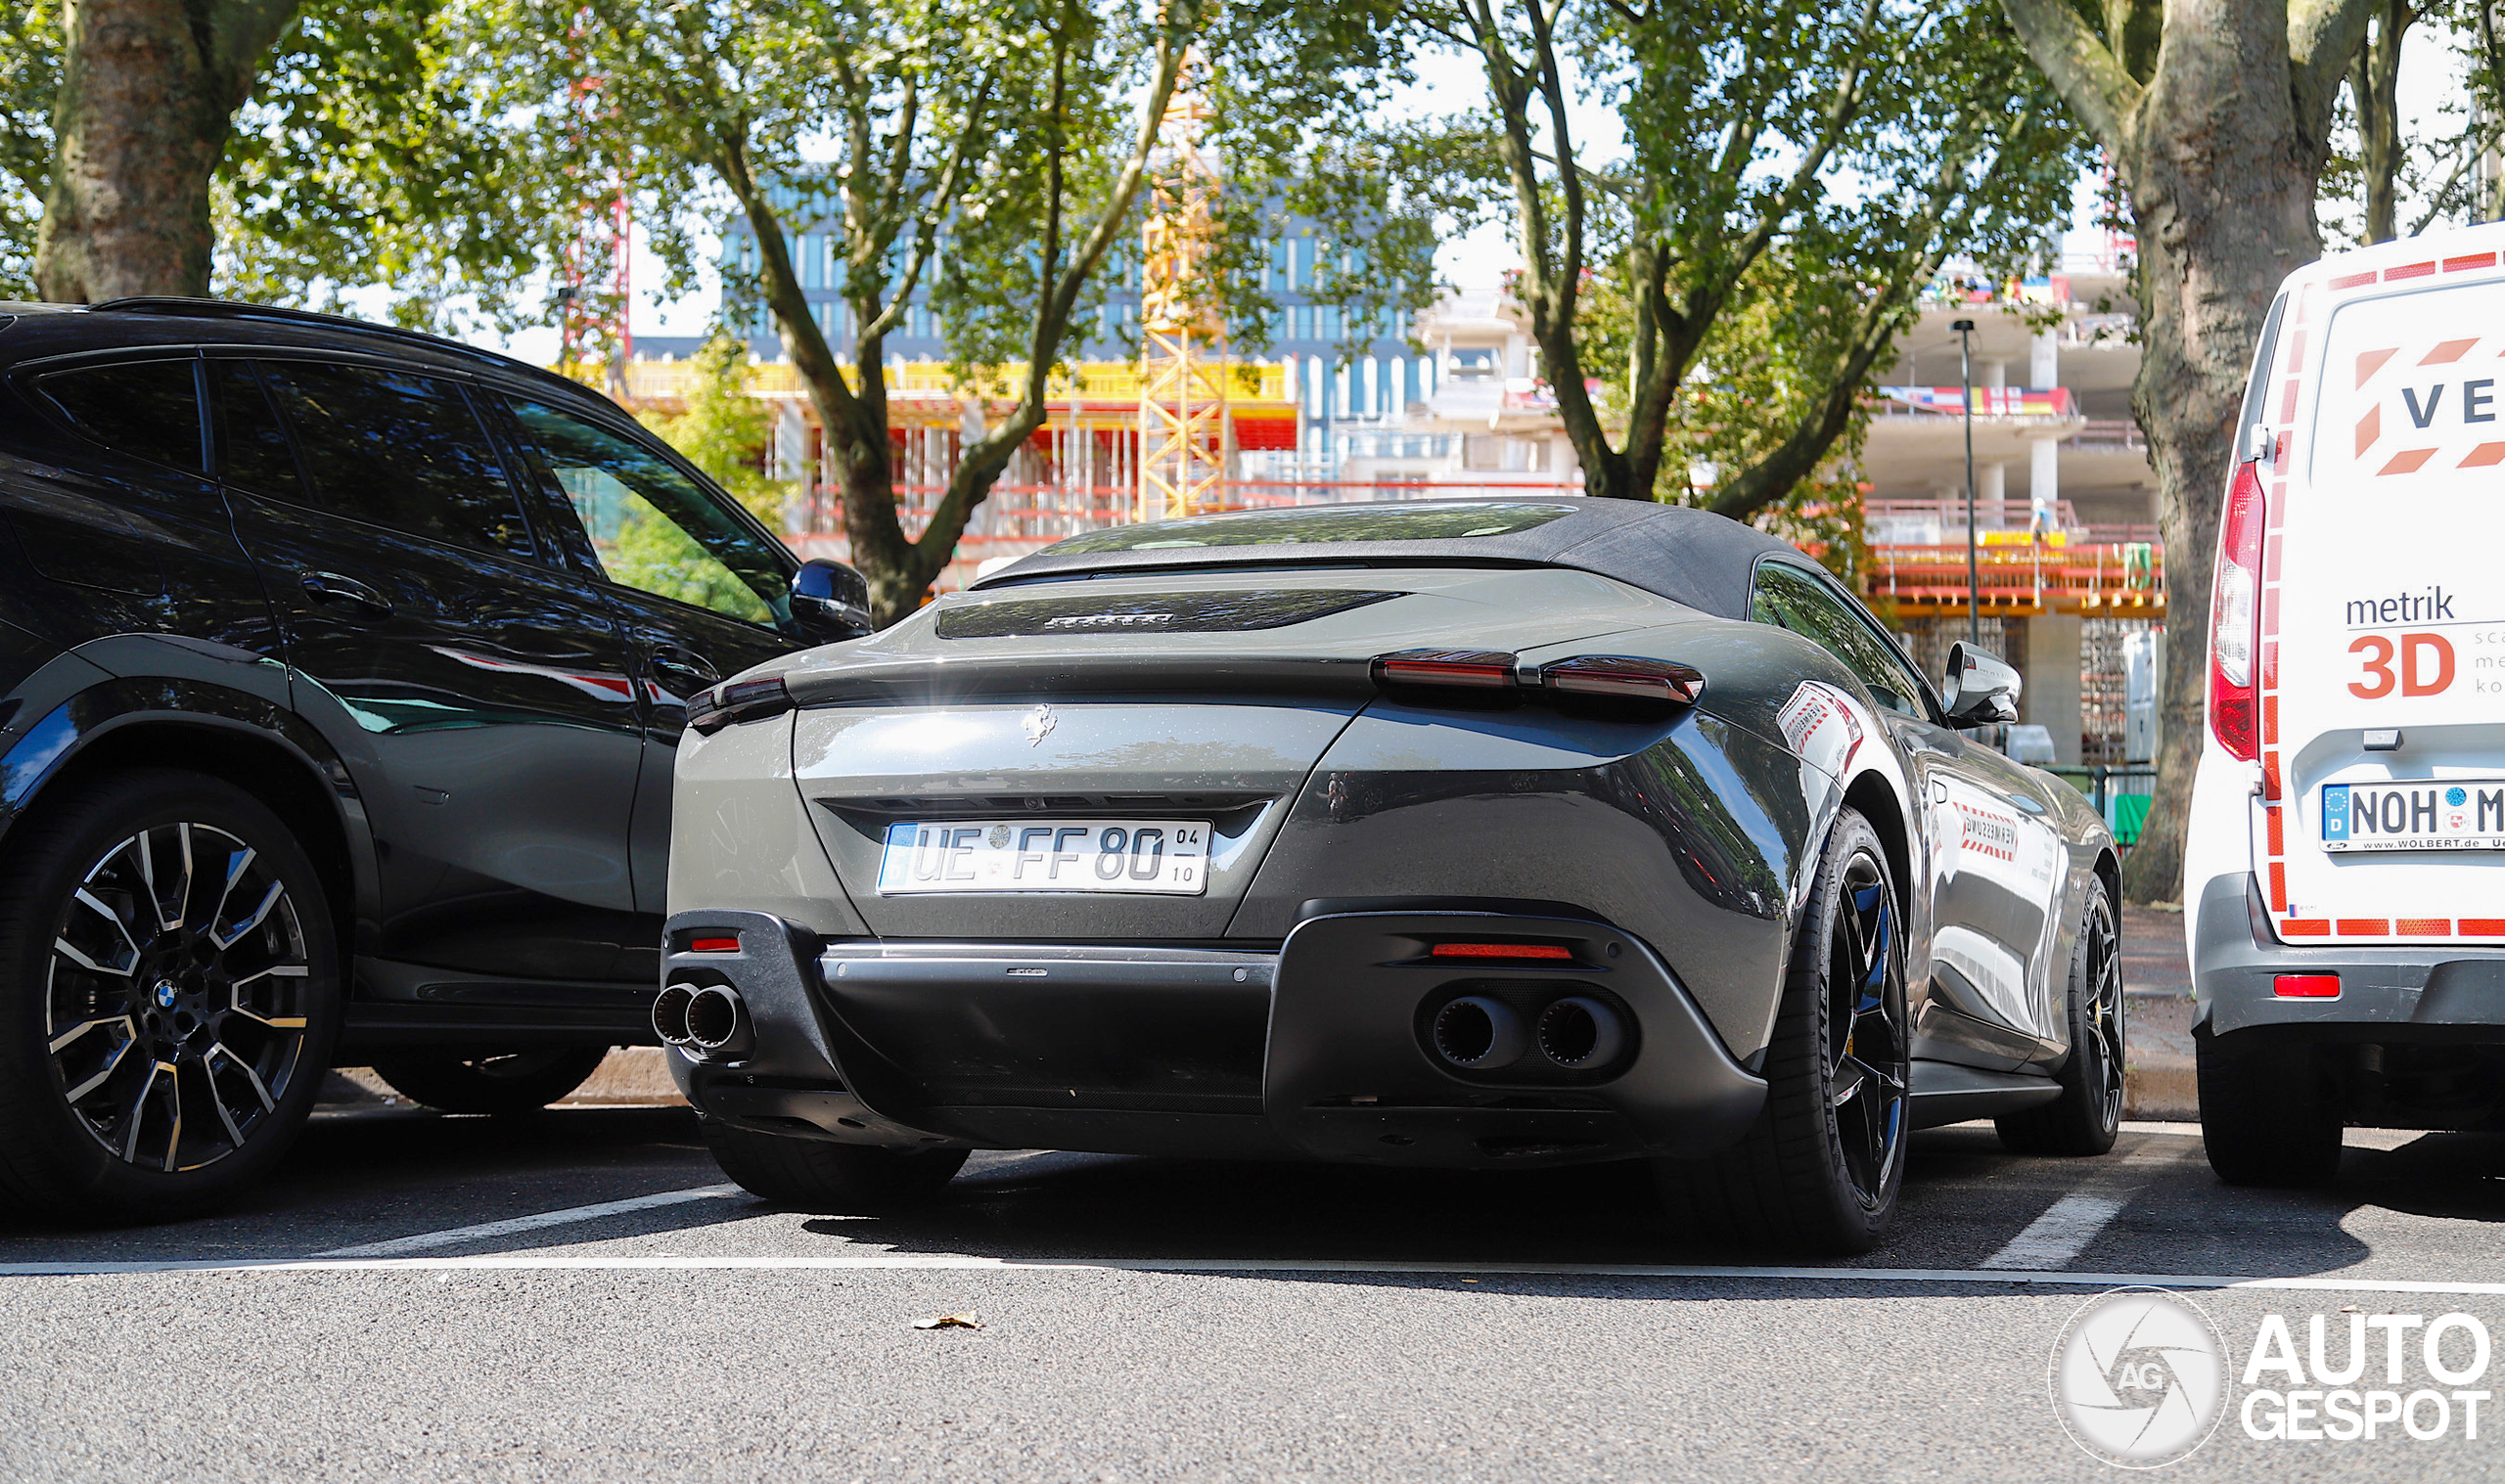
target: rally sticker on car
1818 724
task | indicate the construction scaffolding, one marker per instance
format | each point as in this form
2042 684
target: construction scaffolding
1186 438
593 314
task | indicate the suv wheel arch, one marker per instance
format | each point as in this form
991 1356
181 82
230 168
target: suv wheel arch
268 752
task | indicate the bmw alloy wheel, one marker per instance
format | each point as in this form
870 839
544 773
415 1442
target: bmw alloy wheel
175 1008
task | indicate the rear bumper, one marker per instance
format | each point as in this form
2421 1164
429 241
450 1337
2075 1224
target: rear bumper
1312 1051
2387 992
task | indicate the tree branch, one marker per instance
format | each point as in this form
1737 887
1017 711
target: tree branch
2082 69
2322 36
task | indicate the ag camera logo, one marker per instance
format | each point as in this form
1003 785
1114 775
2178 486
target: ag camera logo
2139 1378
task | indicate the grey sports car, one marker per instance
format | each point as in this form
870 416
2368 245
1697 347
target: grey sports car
1474 832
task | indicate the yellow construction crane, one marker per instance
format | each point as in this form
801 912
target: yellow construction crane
1186 438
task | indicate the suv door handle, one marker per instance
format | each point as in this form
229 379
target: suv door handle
685 668
330 587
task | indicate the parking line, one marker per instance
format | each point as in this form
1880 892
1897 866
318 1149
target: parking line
2071 1222
905 1263
452 1235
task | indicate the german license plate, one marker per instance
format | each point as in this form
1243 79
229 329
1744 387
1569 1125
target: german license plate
1168 856
2439 814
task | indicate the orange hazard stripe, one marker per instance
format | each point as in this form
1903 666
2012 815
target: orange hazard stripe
2305 927
2422 928
2365 927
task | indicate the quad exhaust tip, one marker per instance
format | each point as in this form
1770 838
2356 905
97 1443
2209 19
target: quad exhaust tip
1476 1031
1579 1031
1483 1033
669 1013
708 1021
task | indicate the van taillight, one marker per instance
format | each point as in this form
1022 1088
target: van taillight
2234 618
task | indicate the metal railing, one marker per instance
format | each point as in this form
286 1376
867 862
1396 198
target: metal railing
2125 580
2122 806
1105 380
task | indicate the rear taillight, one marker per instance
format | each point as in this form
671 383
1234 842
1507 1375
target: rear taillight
1461 669
1609 677
2235 617
744 701
1625 678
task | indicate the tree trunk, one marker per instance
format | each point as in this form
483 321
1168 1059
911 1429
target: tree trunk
2220 148
2218 229
149 90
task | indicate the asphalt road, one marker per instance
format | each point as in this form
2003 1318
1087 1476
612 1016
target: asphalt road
1162 1319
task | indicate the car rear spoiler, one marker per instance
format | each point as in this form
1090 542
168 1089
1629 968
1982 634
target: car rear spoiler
925 682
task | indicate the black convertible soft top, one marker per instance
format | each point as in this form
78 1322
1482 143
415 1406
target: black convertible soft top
1687 555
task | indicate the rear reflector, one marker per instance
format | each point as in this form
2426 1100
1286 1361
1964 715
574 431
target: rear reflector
2306 986
1625 678
713 945
1468 669
1548 951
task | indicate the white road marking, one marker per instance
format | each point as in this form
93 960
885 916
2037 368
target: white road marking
2071 1222
2060 1234
888 1262
566 1217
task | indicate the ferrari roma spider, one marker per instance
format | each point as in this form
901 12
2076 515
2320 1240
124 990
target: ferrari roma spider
1474 832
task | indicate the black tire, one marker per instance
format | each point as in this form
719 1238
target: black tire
1820 1169
830 1179
2270 1113
515 1082
160 1047
2085 1118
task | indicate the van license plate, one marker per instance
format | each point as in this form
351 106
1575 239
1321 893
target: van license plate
2445 814
1166 856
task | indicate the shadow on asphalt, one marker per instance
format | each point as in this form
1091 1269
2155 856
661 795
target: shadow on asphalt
377 1173
1963 1198
397 1158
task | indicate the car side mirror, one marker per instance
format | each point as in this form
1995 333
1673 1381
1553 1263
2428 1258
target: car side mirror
830 602
1982 691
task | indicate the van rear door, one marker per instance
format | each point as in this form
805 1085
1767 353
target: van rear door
2383 624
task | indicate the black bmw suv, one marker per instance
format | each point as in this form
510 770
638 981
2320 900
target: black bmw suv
341 672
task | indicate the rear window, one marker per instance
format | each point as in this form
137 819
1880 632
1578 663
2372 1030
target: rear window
148 409
1317 524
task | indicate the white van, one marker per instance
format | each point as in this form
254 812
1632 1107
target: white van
2344 869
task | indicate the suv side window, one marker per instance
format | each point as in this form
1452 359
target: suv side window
252 449
148 409
1794 599
652 528
394 448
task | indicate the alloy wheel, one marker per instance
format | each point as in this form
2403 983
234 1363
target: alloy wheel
176 1001
2103 1044
1867 1045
